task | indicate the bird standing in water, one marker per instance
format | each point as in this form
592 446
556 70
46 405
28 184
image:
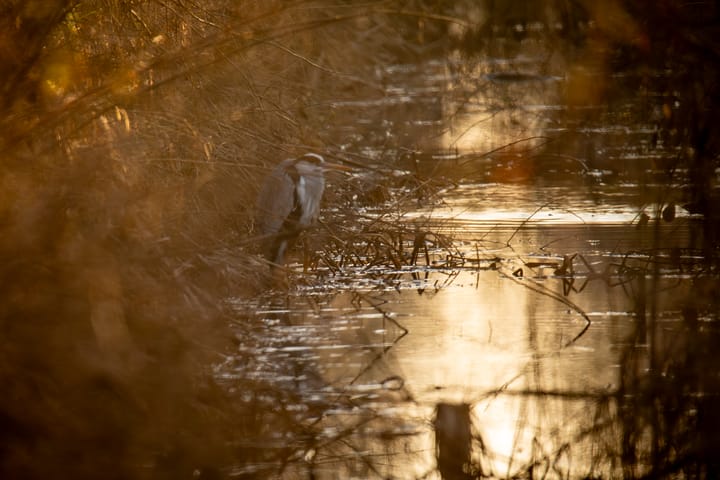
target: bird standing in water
289 202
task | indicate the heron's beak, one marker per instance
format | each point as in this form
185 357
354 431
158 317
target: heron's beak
327 166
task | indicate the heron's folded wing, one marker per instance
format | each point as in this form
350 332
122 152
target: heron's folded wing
275 202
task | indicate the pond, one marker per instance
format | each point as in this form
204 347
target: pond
539 315
503 358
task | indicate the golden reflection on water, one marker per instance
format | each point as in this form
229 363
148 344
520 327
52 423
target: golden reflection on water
466 341
466 337
489 342
493 204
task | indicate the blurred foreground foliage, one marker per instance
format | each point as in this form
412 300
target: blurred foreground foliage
132 136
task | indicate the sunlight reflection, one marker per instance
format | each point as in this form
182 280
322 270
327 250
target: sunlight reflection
514 203
488 342
481 118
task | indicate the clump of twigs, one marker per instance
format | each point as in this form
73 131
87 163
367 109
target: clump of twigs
371 227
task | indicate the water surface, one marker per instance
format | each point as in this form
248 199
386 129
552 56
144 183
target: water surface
525 329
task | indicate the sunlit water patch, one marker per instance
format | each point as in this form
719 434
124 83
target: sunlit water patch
524 205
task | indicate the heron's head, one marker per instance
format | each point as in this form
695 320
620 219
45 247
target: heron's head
314 164
309 165
313 158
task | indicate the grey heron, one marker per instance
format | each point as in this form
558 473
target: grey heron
289 202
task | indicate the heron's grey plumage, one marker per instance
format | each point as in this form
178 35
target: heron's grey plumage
289 202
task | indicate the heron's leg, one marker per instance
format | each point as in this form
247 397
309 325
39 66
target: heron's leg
306 255
280 252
